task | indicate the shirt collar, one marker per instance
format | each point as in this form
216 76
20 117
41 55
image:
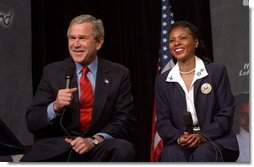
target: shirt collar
92 67
200 71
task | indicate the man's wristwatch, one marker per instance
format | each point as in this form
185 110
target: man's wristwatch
95 141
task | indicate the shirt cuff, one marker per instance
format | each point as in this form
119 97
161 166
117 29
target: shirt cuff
50 111
178 141
105 136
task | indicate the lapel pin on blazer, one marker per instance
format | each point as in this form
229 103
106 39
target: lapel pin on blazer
206 88
106 81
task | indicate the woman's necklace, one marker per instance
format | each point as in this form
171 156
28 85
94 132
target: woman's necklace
188 72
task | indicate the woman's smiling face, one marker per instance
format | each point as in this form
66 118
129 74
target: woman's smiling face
182 44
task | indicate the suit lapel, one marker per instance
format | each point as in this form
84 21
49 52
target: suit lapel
197 99
197 87
103 85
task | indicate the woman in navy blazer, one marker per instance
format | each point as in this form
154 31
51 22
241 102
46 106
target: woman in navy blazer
195 105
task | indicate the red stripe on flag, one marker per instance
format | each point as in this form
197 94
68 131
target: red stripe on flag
157 143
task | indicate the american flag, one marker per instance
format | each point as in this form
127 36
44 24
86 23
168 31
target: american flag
165 62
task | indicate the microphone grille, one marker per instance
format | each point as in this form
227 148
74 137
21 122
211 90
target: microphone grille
187 118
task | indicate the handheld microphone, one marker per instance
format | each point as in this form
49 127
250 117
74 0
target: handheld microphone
69 72
187 119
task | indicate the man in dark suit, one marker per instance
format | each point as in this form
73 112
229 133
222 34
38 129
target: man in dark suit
62 132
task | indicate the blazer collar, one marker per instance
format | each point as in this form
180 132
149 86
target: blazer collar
200 72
